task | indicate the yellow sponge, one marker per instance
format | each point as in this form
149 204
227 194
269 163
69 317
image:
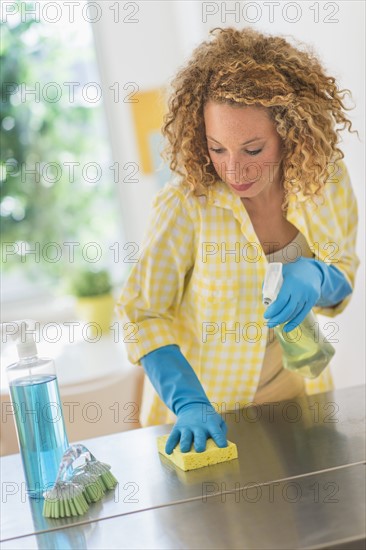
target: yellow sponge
192 460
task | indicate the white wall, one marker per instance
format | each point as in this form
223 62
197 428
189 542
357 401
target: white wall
146 53
150 51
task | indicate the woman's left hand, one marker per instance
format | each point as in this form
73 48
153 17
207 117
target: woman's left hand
300 291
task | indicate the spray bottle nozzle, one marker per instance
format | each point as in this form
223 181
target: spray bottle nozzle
22 333
272 282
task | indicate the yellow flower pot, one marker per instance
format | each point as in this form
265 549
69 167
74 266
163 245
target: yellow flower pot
98 310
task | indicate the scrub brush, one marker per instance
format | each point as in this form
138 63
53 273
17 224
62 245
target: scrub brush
83 485
66 498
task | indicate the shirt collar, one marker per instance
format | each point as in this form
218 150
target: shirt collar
221 196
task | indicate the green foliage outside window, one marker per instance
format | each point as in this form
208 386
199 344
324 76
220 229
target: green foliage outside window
59 203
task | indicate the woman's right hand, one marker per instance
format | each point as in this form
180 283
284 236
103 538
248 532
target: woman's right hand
196 423
179 388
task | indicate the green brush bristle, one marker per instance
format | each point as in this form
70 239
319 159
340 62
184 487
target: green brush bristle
103 472
108 480
95 490
93 487
65 499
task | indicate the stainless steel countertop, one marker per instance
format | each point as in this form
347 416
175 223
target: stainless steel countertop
310 443
314 511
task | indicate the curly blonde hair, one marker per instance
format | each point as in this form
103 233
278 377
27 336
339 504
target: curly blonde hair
246 67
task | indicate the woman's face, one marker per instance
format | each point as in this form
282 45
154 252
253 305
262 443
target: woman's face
244 147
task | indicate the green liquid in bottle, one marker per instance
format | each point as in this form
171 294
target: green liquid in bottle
305 349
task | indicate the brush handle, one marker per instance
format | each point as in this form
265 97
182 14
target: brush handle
71 454
80 449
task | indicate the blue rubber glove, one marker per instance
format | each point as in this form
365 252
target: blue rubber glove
306 283
178 386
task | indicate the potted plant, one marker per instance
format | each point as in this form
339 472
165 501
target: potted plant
94 299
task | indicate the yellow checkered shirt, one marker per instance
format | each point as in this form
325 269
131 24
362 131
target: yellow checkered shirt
198 284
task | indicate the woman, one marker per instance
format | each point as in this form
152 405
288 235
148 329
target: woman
251 134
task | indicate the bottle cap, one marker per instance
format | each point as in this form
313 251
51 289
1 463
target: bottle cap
272 282
22 332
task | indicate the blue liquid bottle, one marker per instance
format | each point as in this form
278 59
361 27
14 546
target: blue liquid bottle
38 411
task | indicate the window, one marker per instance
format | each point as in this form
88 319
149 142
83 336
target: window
59 203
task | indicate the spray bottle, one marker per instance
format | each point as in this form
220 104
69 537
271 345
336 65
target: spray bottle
305 349
37 407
